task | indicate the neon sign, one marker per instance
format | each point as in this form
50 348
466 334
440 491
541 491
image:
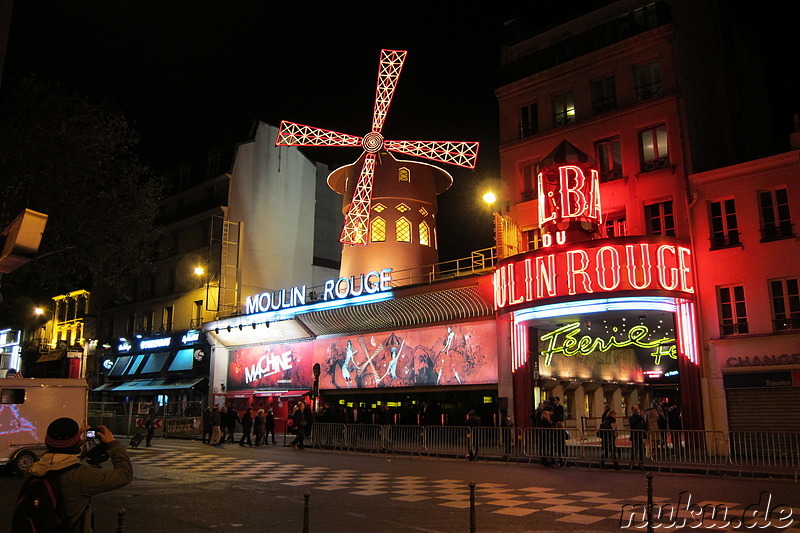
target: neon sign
335 289
570 197
565 341
599 266
155 343
190 337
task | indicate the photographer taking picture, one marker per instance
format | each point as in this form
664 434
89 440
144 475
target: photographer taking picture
66 483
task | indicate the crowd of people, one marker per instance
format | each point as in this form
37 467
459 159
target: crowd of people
220 424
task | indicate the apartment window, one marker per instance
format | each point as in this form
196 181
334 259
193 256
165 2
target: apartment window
197 319
378 230
604 95
184 175
403 174
402 230
653 148
647 81
563 109
212 165
528 120
147 322
533 238
530 182
660 219
614 225
130 326
776 220
724 228
732 311
166 319
424 234
785 304
609 158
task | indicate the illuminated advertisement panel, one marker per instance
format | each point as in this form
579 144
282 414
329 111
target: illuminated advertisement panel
592 268
611 349
271 366
457 354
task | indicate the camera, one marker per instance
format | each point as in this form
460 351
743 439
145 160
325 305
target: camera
91 433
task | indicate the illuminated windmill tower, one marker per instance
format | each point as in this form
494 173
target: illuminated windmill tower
389 204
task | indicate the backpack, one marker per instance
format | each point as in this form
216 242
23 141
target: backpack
40 505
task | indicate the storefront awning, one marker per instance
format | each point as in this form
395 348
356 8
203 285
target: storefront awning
52 355
148 385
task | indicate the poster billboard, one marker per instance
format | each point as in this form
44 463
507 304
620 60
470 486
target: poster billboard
455 354
271 366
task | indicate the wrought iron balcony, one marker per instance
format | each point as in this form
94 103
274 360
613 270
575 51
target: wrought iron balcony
741 328
655 164
787 324
725 240
774 232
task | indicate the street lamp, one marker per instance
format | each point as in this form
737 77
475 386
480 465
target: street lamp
200 272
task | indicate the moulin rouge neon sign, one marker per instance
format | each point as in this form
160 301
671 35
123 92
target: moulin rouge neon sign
571 197
593 267
565 341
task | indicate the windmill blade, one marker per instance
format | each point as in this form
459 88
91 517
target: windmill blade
356 221
388 74
292 134
462 154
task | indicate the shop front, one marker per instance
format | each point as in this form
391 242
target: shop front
163 369
432 348
603 323
761 380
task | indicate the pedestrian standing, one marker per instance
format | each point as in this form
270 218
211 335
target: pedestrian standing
269 427
150 425
233 419
507 432
223 423
545 436
298 426
207 429
608 439
473 423
638 427
309 416
259 427
247 427
216 427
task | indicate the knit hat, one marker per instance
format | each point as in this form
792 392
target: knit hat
63 436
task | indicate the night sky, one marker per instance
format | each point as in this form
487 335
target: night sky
193 75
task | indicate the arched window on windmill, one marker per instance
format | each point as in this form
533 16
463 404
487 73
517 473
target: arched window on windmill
378 230
402 230
403 174
424 234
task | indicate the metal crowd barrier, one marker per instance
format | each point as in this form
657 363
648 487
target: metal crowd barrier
329 435
556 444
765 449
754 450
365 438
447 440
405 439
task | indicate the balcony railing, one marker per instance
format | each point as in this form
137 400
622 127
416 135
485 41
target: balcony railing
604 105
741 328
774 232
526 129
649 91
610 175
195 323
725 240
655 164
563 119
787 324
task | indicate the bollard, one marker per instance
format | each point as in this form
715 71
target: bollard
121 520
472 521
306 497
649 502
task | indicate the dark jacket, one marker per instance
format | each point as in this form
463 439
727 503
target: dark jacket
232 418
79 484
247 419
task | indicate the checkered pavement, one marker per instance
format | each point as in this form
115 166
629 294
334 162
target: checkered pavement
580 508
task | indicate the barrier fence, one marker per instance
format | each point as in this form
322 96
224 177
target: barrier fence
664 449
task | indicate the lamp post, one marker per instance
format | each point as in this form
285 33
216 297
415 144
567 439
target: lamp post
200 272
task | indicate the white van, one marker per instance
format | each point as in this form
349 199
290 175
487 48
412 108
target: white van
27 406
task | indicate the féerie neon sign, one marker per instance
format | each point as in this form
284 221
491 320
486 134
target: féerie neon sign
598 266
565 341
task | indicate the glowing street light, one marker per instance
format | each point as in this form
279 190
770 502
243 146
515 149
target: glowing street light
199 271
490 197
38 311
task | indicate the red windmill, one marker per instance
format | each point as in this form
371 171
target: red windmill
356 222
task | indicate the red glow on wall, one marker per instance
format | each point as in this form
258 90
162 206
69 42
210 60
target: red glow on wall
595 267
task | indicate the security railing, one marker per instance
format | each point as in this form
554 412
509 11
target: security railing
662 449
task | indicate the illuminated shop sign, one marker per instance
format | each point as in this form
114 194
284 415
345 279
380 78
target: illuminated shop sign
123 347
190 337
565 340
149 344
570 196
271 366
598 266
764 360
335 289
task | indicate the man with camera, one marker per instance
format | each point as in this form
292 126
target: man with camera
78 481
